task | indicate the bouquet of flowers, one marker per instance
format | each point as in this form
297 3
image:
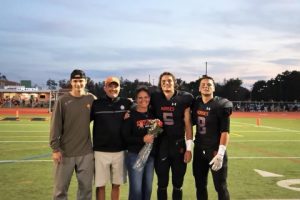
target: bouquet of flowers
154 129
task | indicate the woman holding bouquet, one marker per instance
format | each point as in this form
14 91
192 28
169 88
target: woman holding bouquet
135 134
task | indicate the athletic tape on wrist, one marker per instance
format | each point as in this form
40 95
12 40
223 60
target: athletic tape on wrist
189 145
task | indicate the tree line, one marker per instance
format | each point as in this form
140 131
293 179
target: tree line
284 87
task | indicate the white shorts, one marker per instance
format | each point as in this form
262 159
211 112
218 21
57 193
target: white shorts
110 168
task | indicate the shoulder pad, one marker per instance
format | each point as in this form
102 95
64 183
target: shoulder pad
223 102
224 106
198 97
187 97
228 104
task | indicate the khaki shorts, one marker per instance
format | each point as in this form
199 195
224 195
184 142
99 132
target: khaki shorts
110 168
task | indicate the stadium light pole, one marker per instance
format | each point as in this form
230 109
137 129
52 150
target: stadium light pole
50 99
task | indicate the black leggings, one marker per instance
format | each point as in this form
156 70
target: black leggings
201 168
178 168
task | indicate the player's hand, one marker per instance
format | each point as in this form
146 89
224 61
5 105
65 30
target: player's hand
216 162
187 156
57 157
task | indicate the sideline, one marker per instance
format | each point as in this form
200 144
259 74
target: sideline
23 161
33 141
264 157
269 127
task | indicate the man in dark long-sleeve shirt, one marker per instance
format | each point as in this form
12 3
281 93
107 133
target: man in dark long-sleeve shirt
108 114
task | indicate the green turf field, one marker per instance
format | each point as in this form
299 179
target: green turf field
274 146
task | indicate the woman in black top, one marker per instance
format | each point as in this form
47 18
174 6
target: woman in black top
134 132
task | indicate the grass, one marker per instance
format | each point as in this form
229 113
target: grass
274 146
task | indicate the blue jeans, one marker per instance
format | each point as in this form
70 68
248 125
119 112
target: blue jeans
140 182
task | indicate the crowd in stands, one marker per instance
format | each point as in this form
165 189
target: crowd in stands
238 105
266 106
14 102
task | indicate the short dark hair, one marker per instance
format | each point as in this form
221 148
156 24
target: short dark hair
206 77
77 73
167 74
141 88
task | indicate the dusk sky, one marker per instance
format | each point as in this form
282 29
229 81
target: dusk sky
247 39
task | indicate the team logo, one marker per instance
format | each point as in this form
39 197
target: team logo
122 107
141 123
202 113
68 102
88 106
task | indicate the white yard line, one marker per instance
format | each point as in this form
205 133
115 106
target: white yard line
43 131
236 135
232 141
273 199
264 157
23 161
270 127
19 136
29 124
33 141
273 131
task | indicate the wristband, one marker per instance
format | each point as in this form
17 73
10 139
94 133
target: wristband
189 144
222 149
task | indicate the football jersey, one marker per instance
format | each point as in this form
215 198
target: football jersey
211 119
171 112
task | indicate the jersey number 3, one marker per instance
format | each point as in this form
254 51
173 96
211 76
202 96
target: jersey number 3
201 125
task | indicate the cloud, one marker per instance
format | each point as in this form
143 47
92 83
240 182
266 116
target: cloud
287 61
134 39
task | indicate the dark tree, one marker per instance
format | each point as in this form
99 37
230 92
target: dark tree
64 84
51 84
284 87
233 90
3 77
